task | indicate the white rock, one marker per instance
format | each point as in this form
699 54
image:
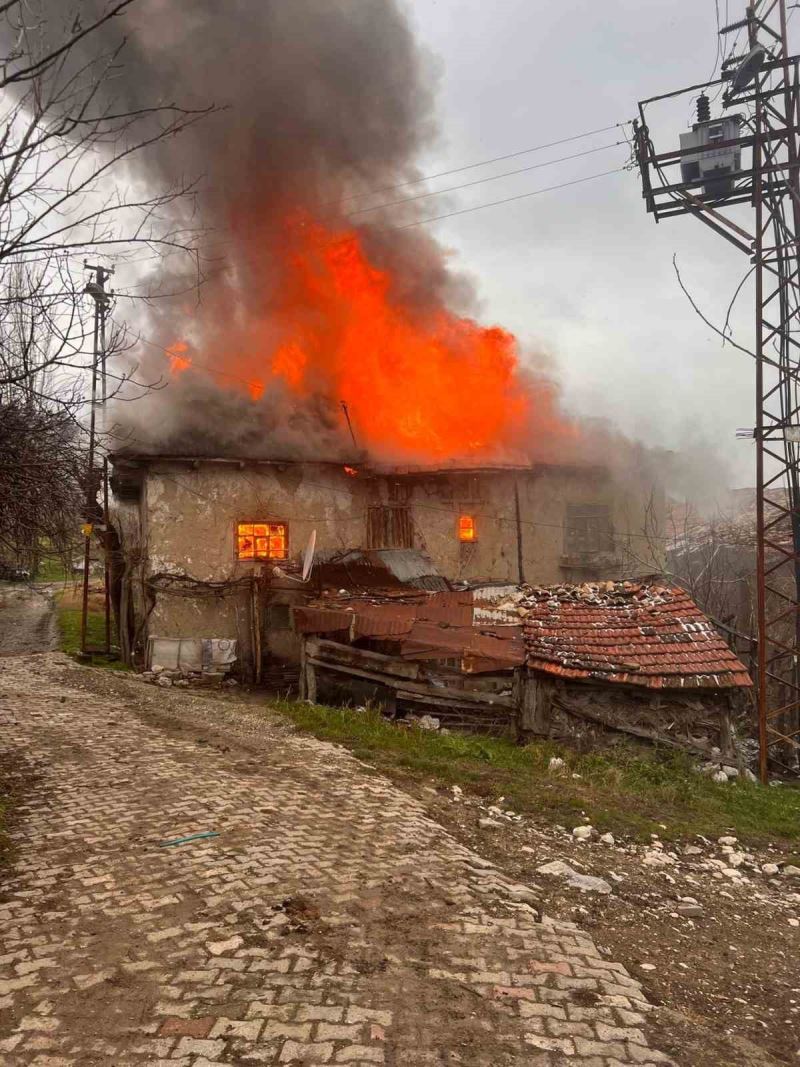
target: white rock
719 776
583 833
727 840
555 764
690 911
457 792
693 850
794 922
489 824
428 722
556 868
607 839
163 681
790 871
770 869
157 668
587 883
647 966
732 772
748 774
653 858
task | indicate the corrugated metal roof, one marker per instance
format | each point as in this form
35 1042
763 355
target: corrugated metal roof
380 568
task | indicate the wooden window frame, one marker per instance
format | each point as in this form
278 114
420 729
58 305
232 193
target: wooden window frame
260 522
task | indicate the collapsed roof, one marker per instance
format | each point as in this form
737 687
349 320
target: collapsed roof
633 633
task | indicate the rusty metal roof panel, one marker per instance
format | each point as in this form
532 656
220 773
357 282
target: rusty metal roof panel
384 620
498 649
313 620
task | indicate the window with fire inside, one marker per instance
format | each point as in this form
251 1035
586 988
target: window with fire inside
262 540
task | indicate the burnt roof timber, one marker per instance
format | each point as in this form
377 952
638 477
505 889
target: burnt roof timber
136 459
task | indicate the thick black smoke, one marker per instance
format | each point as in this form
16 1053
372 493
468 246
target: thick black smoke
320 99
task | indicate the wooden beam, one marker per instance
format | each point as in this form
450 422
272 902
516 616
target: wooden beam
354 657
415 690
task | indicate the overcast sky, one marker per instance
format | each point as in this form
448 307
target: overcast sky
583 274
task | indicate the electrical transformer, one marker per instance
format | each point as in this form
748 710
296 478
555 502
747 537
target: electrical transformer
713 167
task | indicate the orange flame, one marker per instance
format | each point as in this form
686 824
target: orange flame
420 382
178 361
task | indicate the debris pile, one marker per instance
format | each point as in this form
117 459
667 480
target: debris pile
182 679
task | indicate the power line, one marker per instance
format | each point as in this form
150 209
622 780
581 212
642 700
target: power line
509 199
483 162
480 181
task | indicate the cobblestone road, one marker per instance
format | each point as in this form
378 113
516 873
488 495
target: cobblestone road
330 922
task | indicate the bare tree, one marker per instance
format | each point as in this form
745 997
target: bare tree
68 186
69 190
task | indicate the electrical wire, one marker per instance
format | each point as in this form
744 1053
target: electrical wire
491 178
483 162
510 199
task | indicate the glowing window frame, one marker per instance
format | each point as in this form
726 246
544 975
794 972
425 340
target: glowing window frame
275 537
467 529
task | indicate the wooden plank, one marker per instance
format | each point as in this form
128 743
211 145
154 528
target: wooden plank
361 656
452 701
455 696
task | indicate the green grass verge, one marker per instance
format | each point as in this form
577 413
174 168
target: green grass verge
51 569
627 790
69 627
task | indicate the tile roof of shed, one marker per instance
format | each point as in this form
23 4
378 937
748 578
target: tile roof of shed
627 632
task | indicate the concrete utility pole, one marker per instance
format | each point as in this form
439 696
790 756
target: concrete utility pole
96 288
763 84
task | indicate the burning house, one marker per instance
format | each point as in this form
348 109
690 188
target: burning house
333 385
212 548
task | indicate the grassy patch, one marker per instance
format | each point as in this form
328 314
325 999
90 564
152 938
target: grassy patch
624 789
68 604
51 569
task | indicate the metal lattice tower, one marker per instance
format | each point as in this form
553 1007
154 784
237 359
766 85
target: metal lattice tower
763 84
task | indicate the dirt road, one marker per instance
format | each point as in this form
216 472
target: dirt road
27 619
330 921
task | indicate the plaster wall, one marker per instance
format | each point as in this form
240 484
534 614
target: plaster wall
190 515
437 501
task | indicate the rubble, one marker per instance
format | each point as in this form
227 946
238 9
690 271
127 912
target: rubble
183 679
428 722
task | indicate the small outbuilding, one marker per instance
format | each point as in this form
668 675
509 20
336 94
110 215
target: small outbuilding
637 657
